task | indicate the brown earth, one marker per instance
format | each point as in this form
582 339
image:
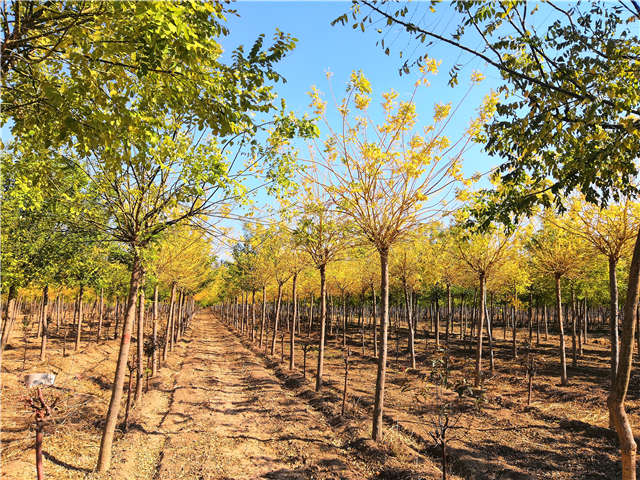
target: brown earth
562 435
216 411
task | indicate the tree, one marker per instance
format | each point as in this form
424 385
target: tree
322 235
483 253
556 252
390 181
609 231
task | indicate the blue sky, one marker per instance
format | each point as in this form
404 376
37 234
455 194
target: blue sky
342 49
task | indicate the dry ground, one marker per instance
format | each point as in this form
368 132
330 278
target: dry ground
562 435
216 411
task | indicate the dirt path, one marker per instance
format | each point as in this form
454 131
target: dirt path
229 418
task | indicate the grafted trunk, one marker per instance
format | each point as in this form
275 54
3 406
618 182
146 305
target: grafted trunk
382 358
104 457
323 324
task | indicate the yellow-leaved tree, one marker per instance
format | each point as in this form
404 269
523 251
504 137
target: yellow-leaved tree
390 177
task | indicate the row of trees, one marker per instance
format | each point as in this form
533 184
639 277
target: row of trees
576 256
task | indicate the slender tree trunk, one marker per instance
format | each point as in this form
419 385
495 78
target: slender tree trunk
408 311
167 335
449 314
563 358
292 333
80 315
374 316
154 334
104 457
253 315
140 345
100 314
8 315
277 317
264 314
483 286
382 358
323 324
613 325
45 323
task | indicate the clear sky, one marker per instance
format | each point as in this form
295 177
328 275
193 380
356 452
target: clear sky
342 49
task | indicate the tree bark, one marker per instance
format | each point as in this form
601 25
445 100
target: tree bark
276 319
378 408
264 313
167 335
323 324
616 398
45 323
409 312
613 323
292 333
80 314
104 457
100 314
154 333
483 286
8 315
140 345
563 357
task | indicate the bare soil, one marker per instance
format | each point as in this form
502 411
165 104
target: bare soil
564 434
215 411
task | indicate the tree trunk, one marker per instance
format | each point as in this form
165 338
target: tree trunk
563 358
45 323
140 345
167 335
323 324
374 315
616 398
382 358
292 333
79 332
277 317
408 311
449 314
104 457
100 314
154 334
8 315
264 313
613 324
483 286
